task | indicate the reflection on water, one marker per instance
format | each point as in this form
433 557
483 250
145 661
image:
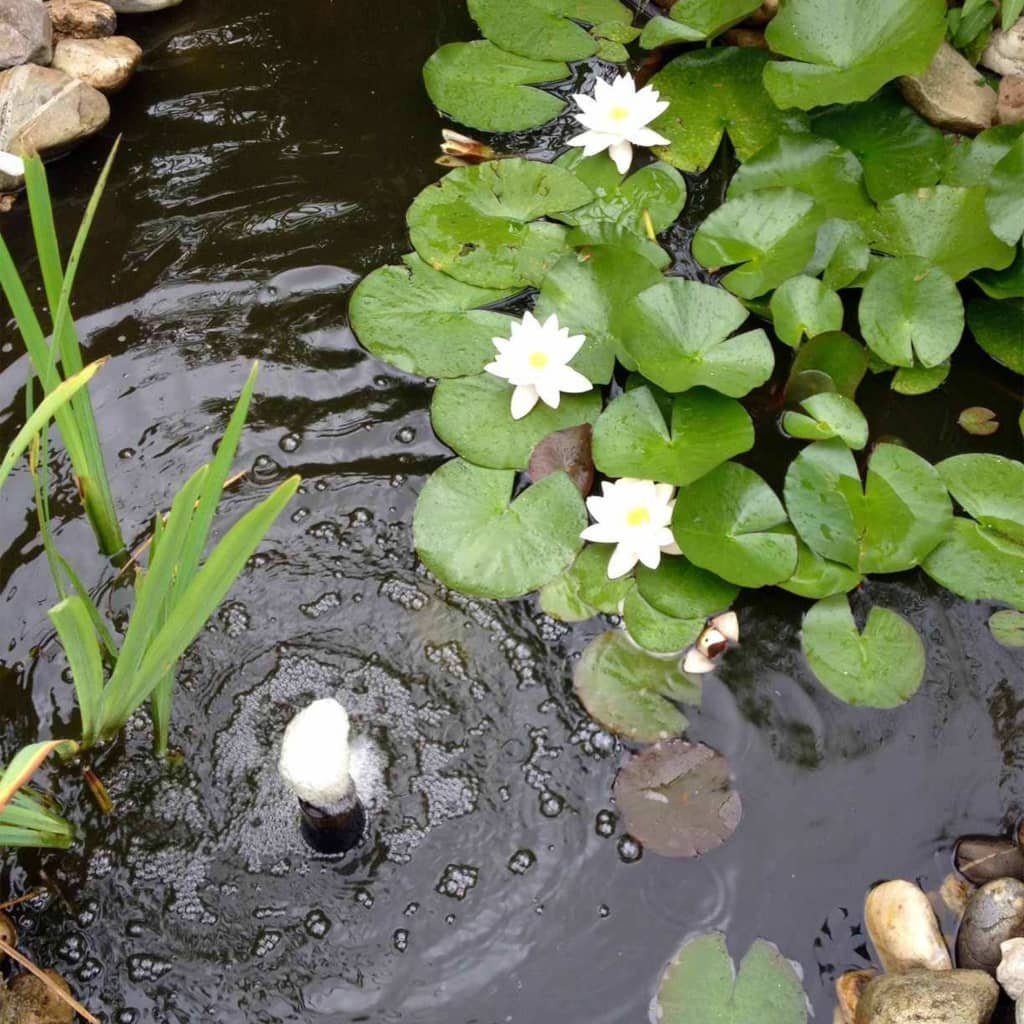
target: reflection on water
270 153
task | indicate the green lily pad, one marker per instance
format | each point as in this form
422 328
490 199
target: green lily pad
919 380
700 986
978 421
731 523
1005 200
816 577
683 590
972 161
978 564
879 668
911 311
897 148
631 437
472 538
425 322
482 86
841 253
694 20
589 292
472 415
655 631
1008 627
771 235
804 307
713 92
828 415
890 525
998 327
836 357
481 224
944 225
820 168
990 489
678 334
1007 283
848 55
632 693
546 29
584 589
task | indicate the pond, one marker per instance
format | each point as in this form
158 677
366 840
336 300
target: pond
269 154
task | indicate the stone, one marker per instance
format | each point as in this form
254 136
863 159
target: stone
994 914
1010 972
1010 105
36 1003
982 859
956 893
105 64
1005 51
45 111
904 928
141 6
764 13
929 997
26 35
82 19
749 38
849 988
8 933
951 94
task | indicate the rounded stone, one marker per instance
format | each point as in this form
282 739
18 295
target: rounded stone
36 1003
8 933
105 64
929 997
82 19
141 6
994 914
26 35
1010 972
849 989
982 859
904 929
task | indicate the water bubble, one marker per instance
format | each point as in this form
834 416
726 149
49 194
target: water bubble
604 824
265 469
401 940
457 881
521 861
411 909
551 805
604 910
449 919
406 435
289 443
126 453
317 924
630 851
323 604
266 942
127 1017
92 968
364 898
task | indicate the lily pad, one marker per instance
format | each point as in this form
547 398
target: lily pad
804 307
546 29
589 292
678 335
998 327
772 235
1008 627
897 148
847 55
632 693
631 437
989 488
944 225
481 224
584 589
655 631
879 668
701 986
473 538
677 798
820 168
816 577
972 161
565 451
1007 283
978 420
694 20
683 590
425 322
890 525
837 357
472 415
978 564
841 253
919 380
828 415
1005 200
731 523
911 311
713 92
482 86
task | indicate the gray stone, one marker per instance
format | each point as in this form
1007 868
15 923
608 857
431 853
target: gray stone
951 94
1005 51
45 111
1010 972
929 997
82 19
105 64
904 928
1010 109
26 35
141 6
994 914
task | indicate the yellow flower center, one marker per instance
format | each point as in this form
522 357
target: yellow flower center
619 113
638 516
538 360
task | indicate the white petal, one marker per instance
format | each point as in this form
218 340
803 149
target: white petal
650 555
571 381
672 549
593 142
622 154
601 533
665 538
524 398
497 369
647 137
530 321
603 91
664 492
623 559
547 390
728 624
12 165
696 664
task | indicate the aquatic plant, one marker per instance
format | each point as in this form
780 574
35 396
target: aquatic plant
28 818
846 210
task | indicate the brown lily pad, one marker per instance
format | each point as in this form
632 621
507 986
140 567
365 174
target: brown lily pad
979 421
567 451
677 798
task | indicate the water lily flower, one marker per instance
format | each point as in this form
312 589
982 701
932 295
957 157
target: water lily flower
634 515
11 165
712 643
535 360
616 118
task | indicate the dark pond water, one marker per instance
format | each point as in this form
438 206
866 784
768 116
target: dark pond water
270 151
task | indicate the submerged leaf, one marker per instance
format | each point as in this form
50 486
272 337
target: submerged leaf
1008 628
677 798
879 668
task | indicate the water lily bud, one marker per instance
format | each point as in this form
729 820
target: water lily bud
712 642
728 624
462 151
696 663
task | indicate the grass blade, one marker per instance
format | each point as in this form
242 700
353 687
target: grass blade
25 764
102 631
81 648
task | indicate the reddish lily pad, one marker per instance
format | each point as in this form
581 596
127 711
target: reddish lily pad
565 451
979 421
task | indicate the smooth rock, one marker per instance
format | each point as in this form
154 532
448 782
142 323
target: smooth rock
994 914
849 988
982 859
141 6
26 35
951 94
929 997
82 19
1010 972
37 1004
748 38
1010 105
904 928
105 64
764 13
8 933
1005 51
956 892
46 111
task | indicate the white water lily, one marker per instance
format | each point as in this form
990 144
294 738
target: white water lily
712 643
634 515
11 165
535 361
616 118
